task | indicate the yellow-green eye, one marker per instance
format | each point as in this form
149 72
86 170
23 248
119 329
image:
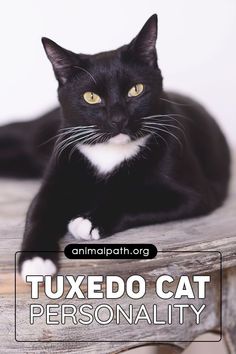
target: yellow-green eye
136 90
92 98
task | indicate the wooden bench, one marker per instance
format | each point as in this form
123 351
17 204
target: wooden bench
216 232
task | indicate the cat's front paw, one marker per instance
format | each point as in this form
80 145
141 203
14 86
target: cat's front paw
37 266
83 228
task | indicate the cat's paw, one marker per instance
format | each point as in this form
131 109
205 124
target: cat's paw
83 228
37 266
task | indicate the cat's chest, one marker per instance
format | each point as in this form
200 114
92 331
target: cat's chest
106 157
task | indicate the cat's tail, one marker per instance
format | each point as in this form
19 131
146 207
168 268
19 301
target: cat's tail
24 146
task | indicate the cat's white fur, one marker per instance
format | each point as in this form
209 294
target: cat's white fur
83 228
107 156
37 266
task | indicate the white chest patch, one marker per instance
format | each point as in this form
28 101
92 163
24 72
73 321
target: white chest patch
106 156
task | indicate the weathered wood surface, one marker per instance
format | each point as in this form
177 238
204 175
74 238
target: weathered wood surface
214 232
229 313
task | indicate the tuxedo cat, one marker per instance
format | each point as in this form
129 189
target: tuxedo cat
120 153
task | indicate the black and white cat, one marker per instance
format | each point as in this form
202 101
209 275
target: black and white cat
126 154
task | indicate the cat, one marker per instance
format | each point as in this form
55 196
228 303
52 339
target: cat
120 153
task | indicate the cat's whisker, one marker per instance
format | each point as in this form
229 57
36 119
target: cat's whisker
75 130
94 136
161 122
176 103
139 134
79 141
78 127
72 151
154 133
167 132
166 119
71 134
91 139
63 133
165 115
75 134
78 137
64 144
136 135
104 137
151 124
53 137
86 141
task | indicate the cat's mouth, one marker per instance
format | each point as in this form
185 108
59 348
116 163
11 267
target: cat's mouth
119 139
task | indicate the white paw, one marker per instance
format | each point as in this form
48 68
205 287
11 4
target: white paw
83 228
37 266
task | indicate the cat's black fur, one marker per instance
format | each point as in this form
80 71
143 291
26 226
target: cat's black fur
182 172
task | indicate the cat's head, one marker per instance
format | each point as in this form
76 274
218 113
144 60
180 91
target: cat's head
109 93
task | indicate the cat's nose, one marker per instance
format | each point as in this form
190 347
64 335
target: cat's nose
119 122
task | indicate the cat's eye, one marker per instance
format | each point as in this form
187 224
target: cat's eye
136 90
92 98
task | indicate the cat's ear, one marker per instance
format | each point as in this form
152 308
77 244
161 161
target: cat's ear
143 46
61 59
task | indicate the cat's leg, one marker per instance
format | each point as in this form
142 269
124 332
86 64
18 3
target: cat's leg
45 224
110 218
186 209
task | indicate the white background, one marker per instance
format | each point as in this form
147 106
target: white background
196 46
